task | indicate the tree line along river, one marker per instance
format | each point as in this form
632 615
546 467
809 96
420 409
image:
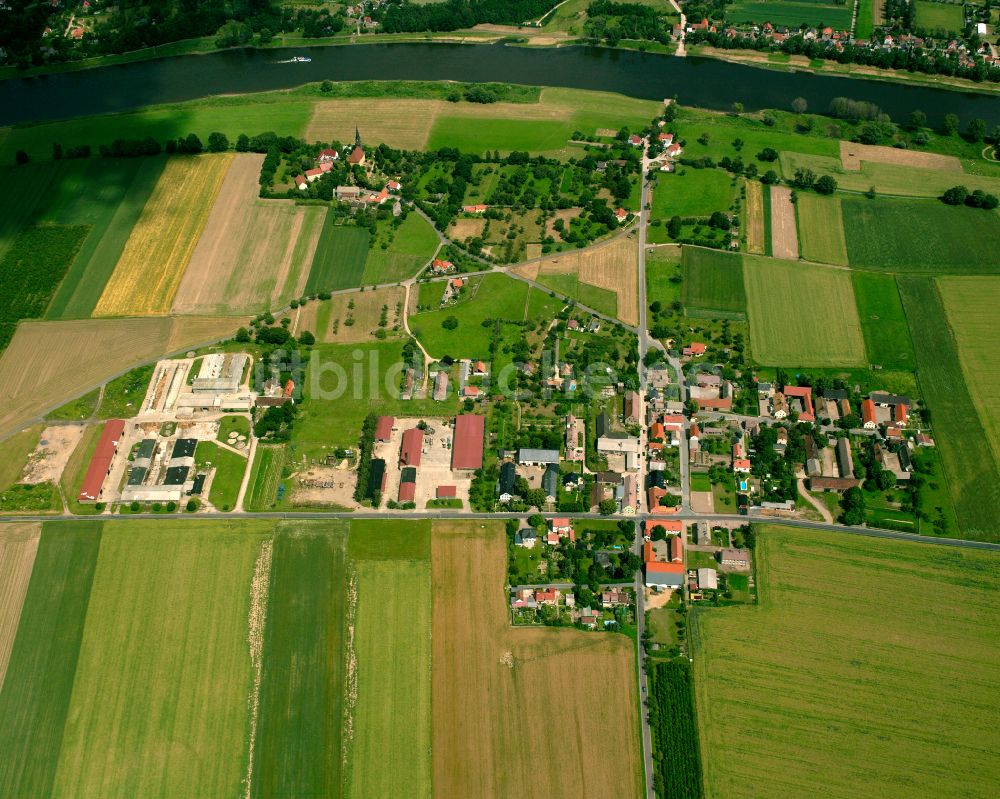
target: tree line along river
704 82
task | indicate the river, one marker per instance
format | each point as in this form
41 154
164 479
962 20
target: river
705 82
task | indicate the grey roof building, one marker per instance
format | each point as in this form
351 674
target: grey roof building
537 457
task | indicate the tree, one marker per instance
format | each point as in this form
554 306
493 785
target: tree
799 105
769 178
326 87
674 227
949 126
242 143
233 34
870 194
854 507
536 520
720 221
804 178
21 157
885 480
307 339
826 185
976 130
737 108
450 323
955 195
242 335
217 142
768 154
607 507
917 120
535 497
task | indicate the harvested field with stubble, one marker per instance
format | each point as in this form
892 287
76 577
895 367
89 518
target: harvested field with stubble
755 217
802 315
49 363
797 720
852 154
161 698
157 252
18 545
254 254
613 266
462 229
784 236
400 123
521 680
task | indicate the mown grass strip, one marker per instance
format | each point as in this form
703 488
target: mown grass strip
36 694
298 747
973 477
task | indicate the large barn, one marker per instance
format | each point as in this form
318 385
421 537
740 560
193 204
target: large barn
467 448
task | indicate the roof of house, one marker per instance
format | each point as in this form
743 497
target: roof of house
407 491
508 474
383 428
447 492
664 568
676 548
100 463
529 455
413 442
467 448
357 155
867 411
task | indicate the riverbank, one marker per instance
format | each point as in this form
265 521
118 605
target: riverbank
532 38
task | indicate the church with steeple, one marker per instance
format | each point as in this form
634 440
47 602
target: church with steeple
357 155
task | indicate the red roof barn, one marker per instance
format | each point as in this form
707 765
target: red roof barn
676 549
467 448
409 452
446 492
407 491
100 463
383 428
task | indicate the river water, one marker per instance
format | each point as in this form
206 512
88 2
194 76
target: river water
705 82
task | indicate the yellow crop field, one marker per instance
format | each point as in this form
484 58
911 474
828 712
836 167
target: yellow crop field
50 363
852 154
18 545
493 685
161 243
832 684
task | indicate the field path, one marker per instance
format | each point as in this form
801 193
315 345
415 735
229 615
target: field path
18 546
819 506
784 237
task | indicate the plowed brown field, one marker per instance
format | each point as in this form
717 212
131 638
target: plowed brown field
510 715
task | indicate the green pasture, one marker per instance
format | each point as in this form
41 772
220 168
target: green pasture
229 470
779 12
932 17
570 285
393 539
713 281
883 321
692 192
477 134
821 229
339 260
412 245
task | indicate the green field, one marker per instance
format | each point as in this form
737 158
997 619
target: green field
692 192
492 297
476 135
713 281
298 749
969 464
801 315
265 477
25 186
883 322
891 179
779 12
124 394
164 659
413 245
796 719
939 16
251 114
568 284
971 307
821 229
392 539
921 236
390 747
864 26
229 470
663 276
108 195
339 260
35 700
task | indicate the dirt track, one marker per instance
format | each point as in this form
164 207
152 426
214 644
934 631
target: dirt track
784 236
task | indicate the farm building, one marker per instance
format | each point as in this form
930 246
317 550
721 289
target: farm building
100 463
446 492
376 477
708 579
664 575
407 491
804 395
441 386
736 558
467 447
383 428
409 451
677 549
220 373
508 477
537 457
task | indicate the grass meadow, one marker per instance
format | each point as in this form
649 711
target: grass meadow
164 659
939 16
920 236
786 689
691 192
108 195
265 477
412 246
791 14
713 281
970 304
568 284
883 321
35 701
229 470
298 745
391 738
339 260
491 297
663 275
25 188
969 463
821 229
476 135
801 315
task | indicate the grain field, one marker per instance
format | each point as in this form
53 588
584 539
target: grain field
18 545
755 217
784 237
254 254
157 252
521 680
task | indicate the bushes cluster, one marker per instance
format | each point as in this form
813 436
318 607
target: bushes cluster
960 195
